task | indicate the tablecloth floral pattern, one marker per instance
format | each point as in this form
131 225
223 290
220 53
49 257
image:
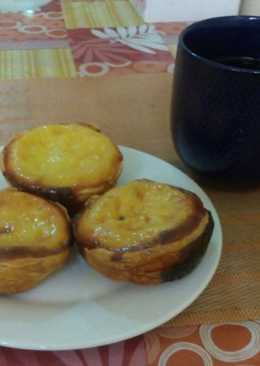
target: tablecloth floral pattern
236 344
84 38
96 38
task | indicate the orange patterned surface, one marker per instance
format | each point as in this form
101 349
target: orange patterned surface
95 52
128 50
218 345
19 27
118 51
234 344
45 24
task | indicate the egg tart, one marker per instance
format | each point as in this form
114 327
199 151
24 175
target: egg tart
35 238
63 162
145 232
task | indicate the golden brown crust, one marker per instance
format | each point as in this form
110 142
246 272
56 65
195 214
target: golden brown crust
25 252
144 267
72 197
190 255
22 274
169 255
29 253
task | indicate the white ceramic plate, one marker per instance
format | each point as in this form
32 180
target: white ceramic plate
78 308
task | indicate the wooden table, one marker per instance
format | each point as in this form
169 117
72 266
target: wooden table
44 78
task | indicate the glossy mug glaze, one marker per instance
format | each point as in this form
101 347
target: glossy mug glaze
216 107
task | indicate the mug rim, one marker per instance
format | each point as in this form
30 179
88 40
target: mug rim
207 60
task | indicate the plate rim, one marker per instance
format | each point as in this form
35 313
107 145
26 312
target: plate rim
163 319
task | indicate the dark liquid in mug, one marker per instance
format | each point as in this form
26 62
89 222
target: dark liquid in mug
243 62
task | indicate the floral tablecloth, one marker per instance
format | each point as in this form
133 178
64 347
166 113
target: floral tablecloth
236 344
107 38
83 39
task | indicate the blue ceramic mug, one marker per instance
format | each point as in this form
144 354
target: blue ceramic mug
216 98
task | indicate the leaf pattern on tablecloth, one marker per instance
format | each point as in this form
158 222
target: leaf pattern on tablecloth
137 49
142 38
91 356
152 346
99 51
116 354
138 356
69 358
